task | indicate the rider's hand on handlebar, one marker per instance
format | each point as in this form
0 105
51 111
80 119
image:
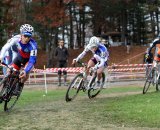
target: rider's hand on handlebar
147 56
22 74
94 69
74 61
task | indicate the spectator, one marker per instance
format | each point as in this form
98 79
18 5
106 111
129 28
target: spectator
61 53
110 40
128 43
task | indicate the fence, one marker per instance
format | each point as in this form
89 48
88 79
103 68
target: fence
114 73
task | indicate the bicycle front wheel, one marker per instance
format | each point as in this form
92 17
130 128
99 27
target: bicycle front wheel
11 97
74 87
93 90
148 69
3 91
149 80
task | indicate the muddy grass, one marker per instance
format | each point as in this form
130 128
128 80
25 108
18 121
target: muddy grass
59 116
47 114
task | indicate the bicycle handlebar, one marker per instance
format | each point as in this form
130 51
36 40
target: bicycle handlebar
82 63
2 63
11 68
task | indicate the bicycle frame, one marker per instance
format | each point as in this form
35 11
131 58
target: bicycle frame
152 77
79 82
147 69
85 74
9 83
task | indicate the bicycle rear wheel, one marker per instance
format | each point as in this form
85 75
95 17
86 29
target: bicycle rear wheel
11 97
149 80
93 90
158 82
74 87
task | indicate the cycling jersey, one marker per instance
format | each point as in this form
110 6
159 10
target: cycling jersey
156 43
28 51
101 54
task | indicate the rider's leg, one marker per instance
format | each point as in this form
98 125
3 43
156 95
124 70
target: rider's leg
99 73
154 77
154 63
99 76
91 63
59 77
65 77
23 80
17 64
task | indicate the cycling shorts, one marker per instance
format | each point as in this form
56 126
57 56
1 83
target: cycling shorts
95 61
19 62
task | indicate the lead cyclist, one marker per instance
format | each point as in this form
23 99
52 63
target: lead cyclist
27 52
100 55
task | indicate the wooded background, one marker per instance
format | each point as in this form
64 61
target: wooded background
75 21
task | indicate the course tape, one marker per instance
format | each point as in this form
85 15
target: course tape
114 68
129 65
79 69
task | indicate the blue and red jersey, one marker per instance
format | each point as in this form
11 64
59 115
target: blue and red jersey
24 51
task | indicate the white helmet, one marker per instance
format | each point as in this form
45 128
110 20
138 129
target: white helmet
26 29
93 42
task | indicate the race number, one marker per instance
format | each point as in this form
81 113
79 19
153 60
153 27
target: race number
33 53
103 54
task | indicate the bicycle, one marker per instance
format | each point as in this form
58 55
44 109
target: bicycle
148 68
148 60
152 78
9 85
79 83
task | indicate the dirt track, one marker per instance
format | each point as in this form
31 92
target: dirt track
110 84
113 84
51 113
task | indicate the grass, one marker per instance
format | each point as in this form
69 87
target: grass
114 108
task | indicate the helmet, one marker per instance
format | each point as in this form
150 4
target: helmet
26 29
93 42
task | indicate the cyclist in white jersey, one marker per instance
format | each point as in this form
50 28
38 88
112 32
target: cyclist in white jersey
100 54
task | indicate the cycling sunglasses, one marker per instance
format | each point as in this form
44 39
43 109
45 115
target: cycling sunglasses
27 36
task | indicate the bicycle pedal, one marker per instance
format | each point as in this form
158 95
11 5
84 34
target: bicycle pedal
84 89
1 100
81 89
4 99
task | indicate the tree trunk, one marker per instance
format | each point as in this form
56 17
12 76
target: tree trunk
124 25
83 28
71 26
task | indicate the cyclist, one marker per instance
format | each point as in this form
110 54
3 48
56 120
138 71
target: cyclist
148 59
156 44
100 54
27 52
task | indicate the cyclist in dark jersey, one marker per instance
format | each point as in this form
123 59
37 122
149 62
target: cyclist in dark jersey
62 54
155 44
